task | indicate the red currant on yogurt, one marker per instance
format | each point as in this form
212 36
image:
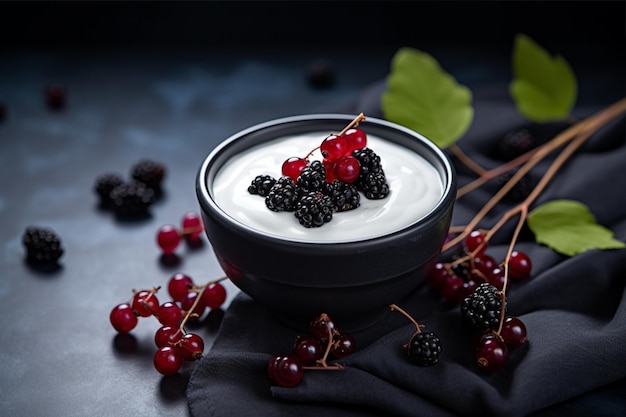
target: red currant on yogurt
292 167
333 147
355 139
347 169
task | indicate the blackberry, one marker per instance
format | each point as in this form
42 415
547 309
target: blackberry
344 196
321 74
43 246
314 210
424 348
105 183
283 195
261 185
148 172
313 178
515 143
519 192
369 161
374 186
483 307
131 200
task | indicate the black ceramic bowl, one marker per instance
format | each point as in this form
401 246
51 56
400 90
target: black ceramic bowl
353 281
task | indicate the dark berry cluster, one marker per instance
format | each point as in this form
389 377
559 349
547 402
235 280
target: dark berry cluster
43 245
477 282
311 352
314 190
131 199
188 301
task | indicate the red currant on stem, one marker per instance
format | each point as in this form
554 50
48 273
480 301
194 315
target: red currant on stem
145 303
355 139
292 167
192 226
323 329
123 318
347 169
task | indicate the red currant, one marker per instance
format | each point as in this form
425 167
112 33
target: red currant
55 95
169 314
355 139
191 347
214 295
122 318
285 370
474 240
321 327
496 277
513 332
437 276
519 265
347 169
329 166
179 285
167 360
292 167
343 345
491 353
189 300
145 303
333 147
167 336
307 349
485 263
192 226
168 239
452 290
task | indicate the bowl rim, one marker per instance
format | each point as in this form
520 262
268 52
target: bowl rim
207 202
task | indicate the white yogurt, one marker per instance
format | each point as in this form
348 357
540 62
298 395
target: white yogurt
415 188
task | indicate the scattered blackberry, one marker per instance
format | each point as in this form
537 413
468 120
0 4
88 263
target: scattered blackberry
519 192
131 200
283 195
515 143
313 178
424 348
149 172
314 209
374 186
43 246
344 196
261 185
321 74
482 307
105 183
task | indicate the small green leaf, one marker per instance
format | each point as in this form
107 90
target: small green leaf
420 95
543 88
569 227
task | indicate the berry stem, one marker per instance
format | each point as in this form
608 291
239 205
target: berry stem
408 316
189 313
354 123
467 161
322 363
580 131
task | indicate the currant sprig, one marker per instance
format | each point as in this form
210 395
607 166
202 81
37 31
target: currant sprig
189 301
336 150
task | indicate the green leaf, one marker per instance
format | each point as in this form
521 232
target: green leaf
420 95
543 88
569 227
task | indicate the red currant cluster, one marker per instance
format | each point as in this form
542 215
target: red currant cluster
169 237
311 352
189 301
457 279
336 150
